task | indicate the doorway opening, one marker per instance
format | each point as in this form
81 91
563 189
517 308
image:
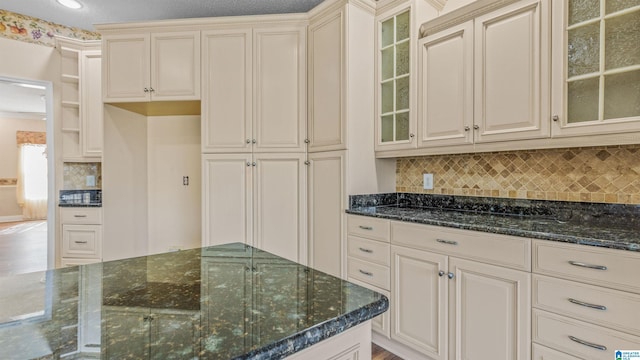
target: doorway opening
27 173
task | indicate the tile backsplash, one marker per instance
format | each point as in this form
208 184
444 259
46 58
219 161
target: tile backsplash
75 175
598 174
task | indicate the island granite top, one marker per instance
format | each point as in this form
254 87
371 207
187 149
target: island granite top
604 225
229 301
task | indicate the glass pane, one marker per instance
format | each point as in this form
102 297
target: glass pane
617 5
622 41
583 100
387 97
402 126
387 128
584 50
402 26
581 10
622 95
402 93
387 63
387 32
402 59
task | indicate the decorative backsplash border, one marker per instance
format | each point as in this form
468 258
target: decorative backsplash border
33 30
598 174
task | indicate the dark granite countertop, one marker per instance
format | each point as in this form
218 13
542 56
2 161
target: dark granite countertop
223 302
72 204
604 225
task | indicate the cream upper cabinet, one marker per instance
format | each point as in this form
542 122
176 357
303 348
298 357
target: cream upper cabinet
254 89
486 80
151 67
227 90
511 87
326 71
445 75
91 105
279 80
596 72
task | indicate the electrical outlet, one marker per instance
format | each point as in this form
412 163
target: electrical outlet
427 181
90 180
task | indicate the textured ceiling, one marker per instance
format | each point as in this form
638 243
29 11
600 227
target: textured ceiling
115 11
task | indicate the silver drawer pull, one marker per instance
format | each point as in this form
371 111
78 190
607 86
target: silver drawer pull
448 242
588 266
80 242
365 272
586 343
582 303
368 251
80 216
365 227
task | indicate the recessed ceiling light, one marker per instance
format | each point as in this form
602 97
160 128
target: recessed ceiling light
71 4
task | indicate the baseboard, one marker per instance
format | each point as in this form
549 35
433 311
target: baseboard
397 348
13 218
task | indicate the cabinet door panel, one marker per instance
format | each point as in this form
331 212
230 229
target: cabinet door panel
226 100
82 241
126 68
484 294
226 199
280 89
174 336
279 205
91 104
326 211
419 306
327 127
511 73
175 65
128 330
445 106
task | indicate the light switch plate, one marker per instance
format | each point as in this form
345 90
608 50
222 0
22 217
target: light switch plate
91 180
427 181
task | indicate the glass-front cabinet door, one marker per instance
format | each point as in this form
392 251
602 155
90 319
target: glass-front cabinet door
596 80
394 125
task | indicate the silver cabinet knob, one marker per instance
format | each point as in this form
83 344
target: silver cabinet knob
151 89
450 275
248 163
254 164
306 141
146 90
411 135
555 118
466 128
441 273
307 162
476 127
253 141
248 141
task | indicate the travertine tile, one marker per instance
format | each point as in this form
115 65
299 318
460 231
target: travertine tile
598 174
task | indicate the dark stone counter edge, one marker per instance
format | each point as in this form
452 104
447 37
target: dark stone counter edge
311 336
611 244
80 205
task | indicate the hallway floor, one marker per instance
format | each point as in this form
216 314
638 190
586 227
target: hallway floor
23 247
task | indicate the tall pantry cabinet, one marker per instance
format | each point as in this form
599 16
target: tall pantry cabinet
340 74
253 134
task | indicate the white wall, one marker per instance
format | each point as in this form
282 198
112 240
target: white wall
124 184
173 144
9 160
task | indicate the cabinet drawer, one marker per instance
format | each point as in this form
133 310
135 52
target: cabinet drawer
615 309
509 251
606 267
369 273
82 241
368 227
81 216
557 332
369 250
67 262
544 353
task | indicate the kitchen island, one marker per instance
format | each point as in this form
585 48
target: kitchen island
224 302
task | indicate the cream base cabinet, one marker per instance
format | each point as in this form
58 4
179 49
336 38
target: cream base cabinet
254 89
326 208
141 67
81 230
257 200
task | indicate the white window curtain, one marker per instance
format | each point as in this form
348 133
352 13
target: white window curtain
32 181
